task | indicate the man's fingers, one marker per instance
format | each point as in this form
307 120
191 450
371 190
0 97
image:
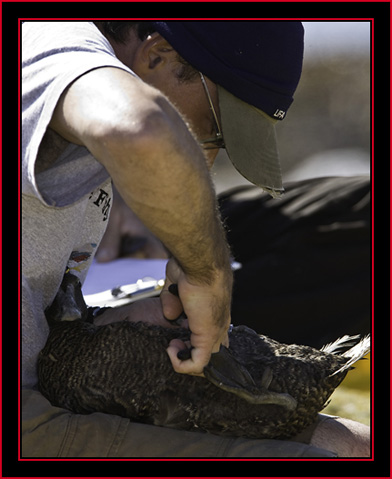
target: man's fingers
193 366
171 304
198 356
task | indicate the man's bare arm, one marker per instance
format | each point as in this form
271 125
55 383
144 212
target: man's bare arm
160 171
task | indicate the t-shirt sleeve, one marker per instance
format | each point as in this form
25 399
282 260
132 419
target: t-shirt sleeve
54 54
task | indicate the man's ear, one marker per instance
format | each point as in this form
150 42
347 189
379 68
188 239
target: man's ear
153 52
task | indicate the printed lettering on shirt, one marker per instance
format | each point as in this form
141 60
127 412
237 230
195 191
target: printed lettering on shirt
102 199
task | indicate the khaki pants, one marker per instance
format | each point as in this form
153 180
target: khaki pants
49 431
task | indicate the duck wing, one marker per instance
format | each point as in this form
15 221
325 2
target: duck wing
228 374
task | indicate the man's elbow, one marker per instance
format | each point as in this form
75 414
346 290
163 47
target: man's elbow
127 138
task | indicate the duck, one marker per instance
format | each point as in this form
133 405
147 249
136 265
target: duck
255 388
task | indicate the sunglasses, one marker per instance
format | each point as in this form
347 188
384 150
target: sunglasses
216 141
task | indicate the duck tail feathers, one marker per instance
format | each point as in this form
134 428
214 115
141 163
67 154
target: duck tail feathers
350 347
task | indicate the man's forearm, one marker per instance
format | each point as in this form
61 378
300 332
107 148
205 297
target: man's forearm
153 159
165 181
162 175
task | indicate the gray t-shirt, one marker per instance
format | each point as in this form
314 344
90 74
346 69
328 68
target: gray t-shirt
66 193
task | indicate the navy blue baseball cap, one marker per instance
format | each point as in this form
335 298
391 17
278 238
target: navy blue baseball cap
256 66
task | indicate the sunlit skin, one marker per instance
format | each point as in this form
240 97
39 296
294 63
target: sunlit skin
156 63
161 71
147 135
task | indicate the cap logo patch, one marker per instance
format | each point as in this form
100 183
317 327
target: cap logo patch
280 114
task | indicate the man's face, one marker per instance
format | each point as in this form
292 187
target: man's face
192 102
158 65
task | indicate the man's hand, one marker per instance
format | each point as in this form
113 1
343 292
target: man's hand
207 307
161 173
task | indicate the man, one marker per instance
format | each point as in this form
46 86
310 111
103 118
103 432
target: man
114 102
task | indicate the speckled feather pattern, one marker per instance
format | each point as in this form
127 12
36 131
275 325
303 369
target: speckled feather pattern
123 369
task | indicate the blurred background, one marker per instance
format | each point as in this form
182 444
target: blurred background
327 129
327 132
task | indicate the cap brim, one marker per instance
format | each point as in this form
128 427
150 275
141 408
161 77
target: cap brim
251 142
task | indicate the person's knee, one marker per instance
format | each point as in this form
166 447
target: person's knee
345 437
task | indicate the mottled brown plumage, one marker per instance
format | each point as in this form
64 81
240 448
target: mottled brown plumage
257 388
